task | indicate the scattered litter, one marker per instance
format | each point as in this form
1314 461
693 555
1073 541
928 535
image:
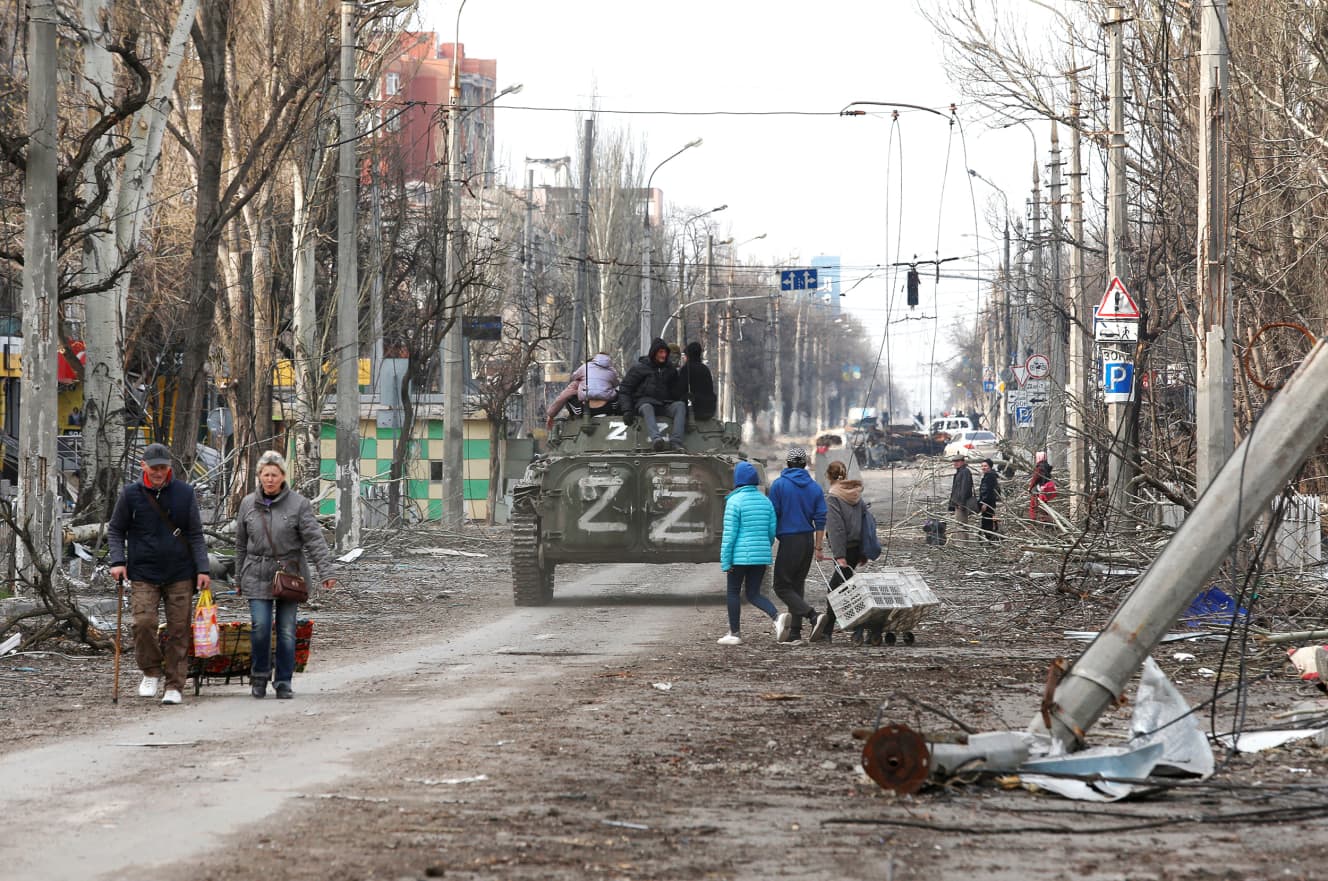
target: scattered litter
158 743
1182 656
1309 661
1211 608
446 552
1161 715
1258 741
1089 635
1206 672
25 670
451 781
1300 770
1110 569
1121 764
349 797
502 742
545 636
351 556
83 553
1303 710
780 696
662 686
622 825
10 644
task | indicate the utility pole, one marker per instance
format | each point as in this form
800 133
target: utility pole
1005 346
1057 319
1081 348
1214 428
582 248
728 412
454 382
779 372
1120 453
38 466
348 297
1037 301
528 311
376 291
707 328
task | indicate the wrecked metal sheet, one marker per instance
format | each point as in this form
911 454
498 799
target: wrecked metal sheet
1258 741
1162 715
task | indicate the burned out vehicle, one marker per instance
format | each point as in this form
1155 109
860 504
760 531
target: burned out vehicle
601 495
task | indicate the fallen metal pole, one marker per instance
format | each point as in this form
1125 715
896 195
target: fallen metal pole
1271 453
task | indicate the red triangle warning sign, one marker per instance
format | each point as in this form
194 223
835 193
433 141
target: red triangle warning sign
1117 303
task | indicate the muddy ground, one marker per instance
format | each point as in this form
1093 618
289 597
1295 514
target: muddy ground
442 733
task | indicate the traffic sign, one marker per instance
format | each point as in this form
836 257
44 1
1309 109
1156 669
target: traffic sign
1020 374
1038 391
1118 381
1115 330
797 279
989 385
1037 366
1117 303
1023 416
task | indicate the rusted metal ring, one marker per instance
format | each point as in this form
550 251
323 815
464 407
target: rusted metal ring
897 758
1249 350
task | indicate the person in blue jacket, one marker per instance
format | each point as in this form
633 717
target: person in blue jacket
749 531
800 527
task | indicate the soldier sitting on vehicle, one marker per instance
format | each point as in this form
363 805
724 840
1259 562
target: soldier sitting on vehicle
696 385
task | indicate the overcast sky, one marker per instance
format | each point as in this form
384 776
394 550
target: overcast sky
762 82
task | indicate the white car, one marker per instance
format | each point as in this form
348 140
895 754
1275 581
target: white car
974 444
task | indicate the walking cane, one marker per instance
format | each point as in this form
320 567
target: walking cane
119 616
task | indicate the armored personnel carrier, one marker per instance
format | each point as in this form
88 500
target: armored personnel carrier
602 496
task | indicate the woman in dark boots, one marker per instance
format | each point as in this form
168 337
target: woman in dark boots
275 528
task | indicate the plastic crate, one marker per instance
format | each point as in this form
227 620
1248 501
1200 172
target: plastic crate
895 598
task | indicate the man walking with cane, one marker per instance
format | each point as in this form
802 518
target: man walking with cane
155 536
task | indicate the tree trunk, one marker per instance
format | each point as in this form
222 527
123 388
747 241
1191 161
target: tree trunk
308 356
210 38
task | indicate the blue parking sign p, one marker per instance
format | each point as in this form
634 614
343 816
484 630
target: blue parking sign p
1118 381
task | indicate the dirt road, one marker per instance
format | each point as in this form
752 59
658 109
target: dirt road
607 735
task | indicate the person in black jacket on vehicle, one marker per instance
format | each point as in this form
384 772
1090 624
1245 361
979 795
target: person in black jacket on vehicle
695 384
652 385
155 537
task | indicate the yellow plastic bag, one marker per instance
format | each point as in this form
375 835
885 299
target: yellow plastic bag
207 634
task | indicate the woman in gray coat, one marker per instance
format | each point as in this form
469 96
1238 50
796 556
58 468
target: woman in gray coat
275 526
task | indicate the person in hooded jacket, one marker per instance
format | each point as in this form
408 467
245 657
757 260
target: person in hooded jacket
695 384
799 526
651 386
744 550
155 537
843 533
593 388
275 528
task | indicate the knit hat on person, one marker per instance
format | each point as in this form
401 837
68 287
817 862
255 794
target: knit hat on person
693 351
796 458
744 474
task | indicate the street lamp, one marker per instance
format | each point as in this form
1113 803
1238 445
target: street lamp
682 256
645 219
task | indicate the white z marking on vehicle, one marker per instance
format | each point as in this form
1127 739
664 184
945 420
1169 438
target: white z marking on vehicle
668 529
602 490
617 431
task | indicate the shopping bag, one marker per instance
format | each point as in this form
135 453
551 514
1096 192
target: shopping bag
207 635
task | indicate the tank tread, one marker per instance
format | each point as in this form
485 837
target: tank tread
532 584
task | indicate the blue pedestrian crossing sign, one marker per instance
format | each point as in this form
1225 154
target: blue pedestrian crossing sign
797 280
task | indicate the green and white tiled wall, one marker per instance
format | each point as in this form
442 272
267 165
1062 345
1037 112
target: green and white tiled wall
423 491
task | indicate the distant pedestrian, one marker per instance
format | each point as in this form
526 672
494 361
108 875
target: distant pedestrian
275 528
989 496
962 500
649 390
800 527
843 533
155 537
744 552
1041 490
696 385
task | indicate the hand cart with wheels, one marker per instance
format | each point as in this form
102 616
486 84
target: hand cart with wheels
234 660
892 599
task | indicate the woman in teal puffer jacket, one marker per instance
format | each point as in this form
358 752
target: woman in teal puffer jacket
749 531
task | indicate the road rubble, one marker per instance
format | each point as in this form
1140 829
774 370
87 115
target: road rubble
440 732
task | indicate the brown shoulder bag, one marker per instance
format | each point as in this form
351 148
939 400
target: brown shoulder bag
286 585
